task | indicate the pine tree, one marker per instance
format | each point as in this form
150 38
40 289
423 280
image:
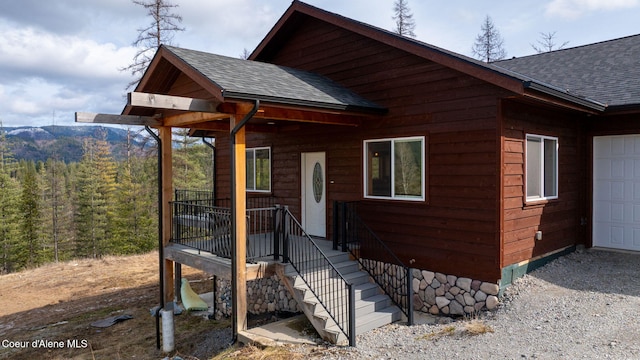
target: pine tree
404 19
9 231
489 44
56 215
96 187
31 240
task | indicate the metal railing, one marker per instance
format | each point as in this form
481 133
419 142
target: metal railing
334 293
208 228
375 257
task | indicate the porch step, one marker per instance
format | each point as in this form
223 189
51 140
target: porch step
372 308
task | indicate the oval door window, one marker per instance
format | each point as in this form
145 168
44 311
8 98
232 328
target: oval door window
317 182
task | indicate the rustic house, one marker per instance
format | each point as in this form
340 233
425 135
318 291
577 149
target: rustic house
442 176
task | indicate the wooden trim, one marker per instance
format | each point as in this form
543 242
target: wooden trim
158 101
83 117
239 187
292 113
192 118
501 183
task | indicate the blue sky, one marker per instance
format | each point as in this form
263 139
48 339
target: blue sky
59 57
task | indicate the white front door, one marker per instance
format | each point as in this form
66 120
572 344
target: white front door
616 192
314 197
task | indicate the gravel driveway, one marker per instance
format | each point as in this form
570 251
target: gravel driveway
585 305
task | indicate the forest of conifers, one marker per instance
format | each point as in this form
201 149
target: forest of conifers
55 211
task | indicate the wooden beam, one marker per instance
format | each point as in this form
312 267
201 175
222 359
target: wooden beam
167 195
190 118
158 101
240 258
321 116
83 117
310 116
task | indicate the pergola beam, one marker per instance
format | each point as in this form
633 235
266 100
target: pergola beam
157 101
84 117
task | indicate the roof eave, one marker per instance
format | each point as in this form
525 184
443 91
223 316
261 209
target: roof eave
563 95
232 96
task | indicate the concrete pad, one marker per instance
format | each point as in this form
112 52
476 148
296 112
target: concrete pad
287 331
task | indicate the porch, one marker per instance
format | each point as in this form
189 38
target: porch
342 293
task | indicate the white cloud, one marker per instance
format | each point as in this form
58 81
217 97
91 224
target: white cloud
573 9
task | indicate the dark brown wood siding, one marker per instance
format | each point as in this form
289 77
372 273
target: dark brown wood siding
456 230
560 220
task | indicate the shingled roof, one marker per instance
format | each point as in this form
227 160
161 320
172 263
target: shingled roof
249 80
607 72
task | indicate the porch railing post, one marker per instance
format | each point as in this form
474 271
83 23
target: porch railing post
285 234
343 225
352 315
409 295
276 232
336 222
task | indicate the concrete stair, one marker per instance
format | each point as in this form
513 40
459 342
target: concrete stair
373 308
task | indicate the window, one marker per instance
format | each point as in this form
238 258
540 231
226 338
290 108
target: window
542 167
394 168
259 169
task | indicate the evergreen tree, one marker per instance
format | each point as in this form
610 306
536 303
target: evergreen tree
133 230
9 230
186 164
489 45
404 19
56 215
96 186
31 240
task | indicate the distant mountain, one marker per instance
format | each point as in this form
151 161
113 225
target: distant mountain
63 142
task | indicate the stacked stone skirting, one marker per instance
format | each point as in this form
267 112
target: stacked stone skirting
441 294
266 295
433 293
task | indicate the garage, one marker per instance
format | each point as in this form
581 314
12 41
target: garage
616 192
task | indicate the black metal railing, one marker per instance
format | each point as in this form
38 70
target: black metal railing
375 257
208 228
334 293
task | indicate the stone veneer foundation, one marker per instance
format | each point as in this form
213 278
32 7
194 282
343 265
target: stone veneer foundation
433 293
264 295
441 294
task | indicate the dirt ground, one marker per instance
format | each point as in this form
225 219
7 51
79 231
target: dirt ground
45 313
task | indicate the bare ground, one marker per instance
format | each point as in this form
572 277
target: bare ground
58 302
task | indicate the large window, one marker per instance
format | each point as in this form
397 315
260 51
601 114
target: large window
542 167
259 169
394 168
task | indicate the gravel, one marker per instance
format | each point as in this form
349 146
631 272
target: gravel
585 305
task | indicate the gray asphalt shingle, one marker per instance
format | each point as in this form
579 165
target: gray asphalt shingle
607 72
244 79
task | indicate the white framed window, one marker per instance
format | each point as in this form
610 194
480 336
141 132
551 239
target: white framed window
395 168
542 167
259 169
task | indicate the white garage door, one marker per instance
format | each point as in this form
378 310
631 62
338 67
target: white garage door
616 192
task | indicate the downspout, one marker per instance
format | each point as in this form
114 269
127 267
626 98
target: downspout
234 276
213 168
160 245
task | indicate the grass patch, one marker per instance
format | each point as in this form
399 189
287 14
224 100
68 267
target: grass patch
446 331
251 352
477 327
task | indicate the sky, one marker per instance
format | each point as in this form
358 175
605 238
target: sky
61 57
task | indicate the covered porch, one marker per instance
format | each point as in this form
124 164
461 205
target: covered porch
226 98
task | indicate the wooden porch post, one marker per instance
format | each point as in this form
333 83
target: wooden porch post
239 187
164 133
